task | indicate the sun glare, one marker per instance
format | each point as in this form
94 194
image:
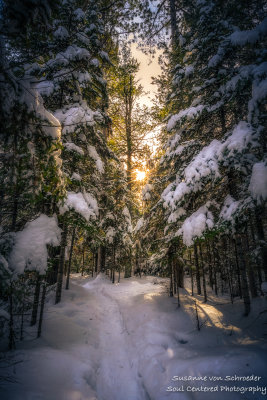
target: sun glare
140 175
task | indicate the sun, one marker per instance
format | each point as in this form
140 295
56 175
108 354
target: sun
140 175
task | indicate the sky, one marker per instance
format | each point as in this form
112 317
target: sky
148 67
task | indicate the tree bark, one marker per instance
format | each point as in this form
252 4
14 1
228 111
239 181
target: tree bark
244 282
258 266
70 259
36 299
114 262
261 238
22 315
61 264
203 273
83 259
197 269
251 276
174 28
128 267
238 271
171 278
11 342
210 266
191 273
41 311
215 262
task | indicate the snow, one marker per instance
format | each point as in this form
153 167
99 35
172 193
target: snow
79 14
146 192
174 216
75 177
61 33
30 249
45 88
94 155
230 206
139 224
127 215
189 70
126 212
82 77
51 125
110 234
258 182
240 38
214 61
77 114
173 149
94 62
171 197
205 164
242 136
72 147
259 93
92 202
83 38
195 225
72 53
174 141
190 113
83 204
129 341
31 97
104 55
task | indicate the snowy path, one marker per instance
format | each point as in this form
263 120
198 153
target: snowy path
117 375
127 341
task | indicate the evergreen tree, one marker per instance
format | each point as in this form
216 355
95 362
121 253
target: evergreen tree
217 139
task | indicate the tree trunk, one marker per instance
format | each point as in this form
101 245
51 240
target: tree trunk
238 271
174 28
41 311
203 273
261 238
61 264
258 266
128 267
99 259
175 276
83 259
191 273
36 299
70 259
128 129
251 277
171 278
215 262
114 261
22 315
197 269
210 266
11 342
244 282
96 262
229 268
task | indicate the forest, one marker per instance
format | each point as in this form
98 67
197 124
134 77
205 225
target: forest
127 222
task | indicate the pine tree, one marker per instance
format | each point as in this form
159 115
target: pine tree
216 143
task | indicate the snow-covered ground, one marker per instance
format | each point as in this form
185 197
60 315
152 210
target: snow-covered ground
129 341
